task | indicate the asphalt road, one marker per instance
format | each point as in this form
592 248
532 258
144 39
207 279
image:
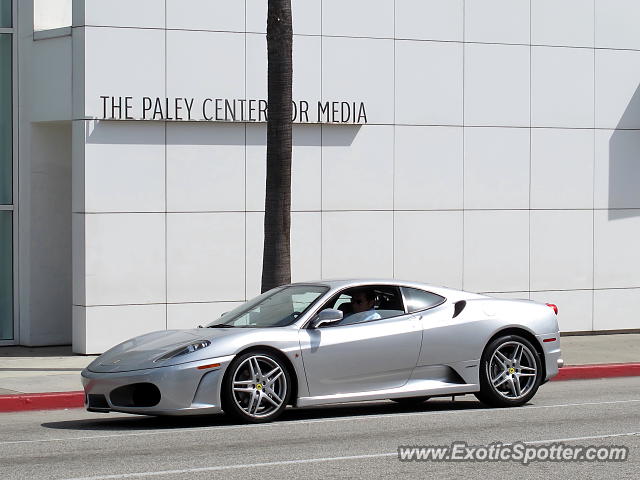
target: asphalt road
332 442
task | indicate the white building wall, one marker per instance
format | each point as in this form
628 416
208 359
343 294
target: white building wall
500 156
51 14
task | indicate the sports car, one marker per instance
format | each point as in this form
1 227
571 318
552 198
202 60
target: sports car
330 342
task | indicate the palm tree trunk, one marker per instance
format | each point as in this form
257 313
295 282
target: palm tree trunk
276 262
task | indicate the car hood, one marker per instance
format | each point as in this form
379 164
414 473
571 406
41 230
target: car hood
141 353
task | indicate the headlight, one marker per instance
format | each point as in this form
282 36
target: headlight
192 347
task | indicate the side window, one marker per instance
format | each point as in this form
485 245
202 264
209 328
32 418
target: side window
420 300
343 301
367 303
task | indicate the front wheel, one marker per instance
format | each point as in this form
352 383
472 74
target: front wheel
257 388
510 372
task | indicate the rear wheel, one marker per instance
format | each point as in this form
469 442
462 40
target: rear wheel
510 372
410 400
257 388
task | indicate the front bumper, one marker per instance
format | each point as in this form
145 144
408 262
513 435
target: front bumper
184 389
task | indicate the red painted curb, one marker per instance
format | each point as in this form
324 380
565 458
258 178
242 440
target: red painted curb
41 401
605 370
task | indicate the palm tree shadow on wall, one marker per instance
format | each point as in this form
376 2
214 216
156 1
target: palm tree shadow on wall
624 163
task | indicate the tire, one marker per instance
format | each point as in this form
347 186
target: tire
510 372
408 401
256 388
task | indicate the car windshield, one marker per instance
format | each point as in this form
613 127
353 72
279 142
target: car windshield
276 308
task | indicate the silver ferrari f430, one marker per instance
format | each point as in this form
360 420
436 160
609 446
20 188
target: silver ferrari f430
332 342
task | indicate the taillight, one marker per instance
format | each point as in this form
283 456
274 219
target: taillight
554 307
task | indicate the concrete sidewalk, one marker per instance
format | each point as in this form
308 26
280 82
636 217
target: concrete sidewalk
40 369
57 369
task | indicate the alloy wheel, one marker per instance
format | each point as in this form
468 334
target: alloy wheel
259 386
512 370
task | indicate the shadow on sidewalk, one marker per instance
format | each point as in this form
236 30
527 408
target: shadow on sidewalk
41 369
17 351
142 423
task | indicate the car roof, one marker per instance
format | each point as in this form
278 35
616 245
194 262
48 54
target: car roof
355 282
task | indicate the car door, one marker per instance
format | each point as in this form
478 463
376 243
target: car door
445 340
375 355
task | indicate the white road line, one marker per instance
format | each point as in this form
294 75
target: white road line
313 460
174 431
235 467
576 439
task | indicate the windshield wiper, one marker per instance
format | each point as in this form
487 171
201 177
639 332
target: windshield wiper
220 325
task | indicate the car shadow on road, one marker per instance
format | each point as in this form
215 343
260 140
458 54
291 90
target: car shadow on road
111 422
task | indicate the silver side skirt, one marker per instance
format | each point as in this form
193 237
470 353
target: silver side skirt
412 388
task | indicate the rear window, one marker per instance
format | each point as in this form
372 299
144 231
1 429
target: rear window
420 300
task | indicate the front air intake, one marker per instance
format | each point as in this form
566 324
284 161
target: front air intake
97 402
135 395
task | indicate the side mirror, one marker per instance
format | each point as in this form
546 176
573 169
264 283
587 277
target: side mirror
326 317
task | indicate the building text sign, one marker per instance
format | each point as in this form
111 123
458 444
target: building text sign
226 110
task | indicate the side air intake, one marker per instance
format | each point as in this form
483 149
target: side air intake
458 307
